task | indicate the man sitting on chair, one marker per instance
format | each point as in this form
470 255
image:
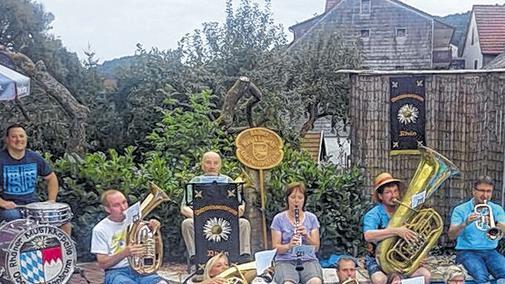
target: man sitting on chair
211 166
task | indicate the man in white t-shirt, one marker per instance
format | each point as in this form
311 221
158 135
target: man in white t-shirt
108 243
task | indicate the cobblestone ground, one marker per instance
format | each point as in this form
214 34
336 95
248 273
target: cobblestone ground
175 272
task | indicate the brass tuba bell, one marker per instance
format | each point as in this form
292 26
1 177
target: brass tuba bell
395 254
139 233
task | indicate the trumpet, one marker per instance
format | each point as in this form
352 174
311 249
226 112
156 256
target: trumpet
485 221
299 266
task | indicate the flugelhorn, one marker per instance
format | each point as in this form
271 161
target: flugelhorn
239 274
139 233
485 221
299 266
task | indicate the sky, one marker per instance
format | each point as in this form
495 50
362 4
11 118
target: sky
112 28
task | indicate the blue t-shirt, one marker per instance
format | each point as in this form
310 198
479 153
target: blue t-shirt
19 177
281 223
376 218
471 238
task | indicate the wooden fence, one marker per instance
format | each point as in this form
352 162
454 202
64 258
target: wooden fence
465 121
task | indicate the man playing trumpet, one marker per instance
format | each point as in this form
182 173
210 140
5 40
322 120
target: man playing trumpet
346 270
475 242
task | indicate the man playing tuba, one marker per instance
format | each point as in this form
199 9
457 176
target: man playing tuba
108 243
475 246
375 225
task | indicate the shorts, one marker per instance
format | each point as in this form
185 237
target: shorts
285 271
371 265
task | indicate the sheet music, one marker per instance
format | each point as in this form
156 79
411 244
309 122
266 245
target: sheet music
264 260
302 250
413 280
133 214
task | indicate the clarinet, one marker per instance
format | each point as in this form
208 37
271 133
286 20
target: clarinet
299 266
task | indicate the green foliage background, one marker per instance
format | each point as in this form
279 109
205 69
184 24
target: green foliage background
333 197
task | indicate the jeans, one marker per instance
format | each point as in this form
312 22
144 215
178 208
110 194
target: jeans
10 214
481 263
126 275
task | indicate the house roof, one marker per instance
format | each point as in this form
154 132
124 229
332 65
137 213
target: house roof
490 21
320 18
313 142
498 62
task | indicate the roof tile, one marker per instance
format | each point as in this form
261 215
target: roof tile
491 27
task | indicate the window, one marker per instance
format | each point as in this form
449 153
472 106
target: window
365 33
366 6
401 32
475 64
473 36
399 67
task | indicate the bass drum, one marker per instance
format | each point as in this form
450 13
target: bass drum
33 253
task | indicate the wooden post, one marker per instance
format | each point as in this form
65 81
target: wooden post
263 215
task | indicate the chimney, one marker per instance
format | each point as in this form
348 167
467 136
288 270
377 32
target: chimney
330 4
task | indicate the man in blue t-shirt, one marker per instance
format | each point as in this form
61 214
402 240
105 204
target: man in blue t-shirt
19 169
474 249
375 225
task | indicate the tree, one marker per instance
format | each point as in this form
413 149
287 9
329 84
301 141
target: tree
59 81
22 23
313 66
220 53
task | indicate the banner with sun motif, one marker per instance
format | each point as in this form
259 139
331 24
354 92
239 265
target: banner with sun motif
216 221
407 114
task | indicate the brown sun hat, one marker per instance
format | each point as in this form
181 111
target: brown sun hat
383 179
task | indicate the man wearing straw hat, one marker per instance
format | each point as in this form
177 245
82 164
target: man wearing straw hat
387 190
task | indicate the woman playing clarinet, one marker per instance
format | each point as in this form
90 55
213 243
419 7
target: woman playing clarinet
293 229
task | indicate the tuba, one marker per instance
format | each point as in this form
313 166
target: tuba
139 233
395 254
486 223
239 274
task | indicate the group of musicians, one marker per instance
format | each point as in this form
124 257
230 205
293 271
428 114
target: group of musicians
20 167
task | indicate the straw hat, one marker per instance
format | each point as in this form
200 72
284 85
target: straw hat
383 179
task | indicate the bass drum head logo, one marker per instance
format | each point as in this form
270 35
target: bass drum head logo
41 254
